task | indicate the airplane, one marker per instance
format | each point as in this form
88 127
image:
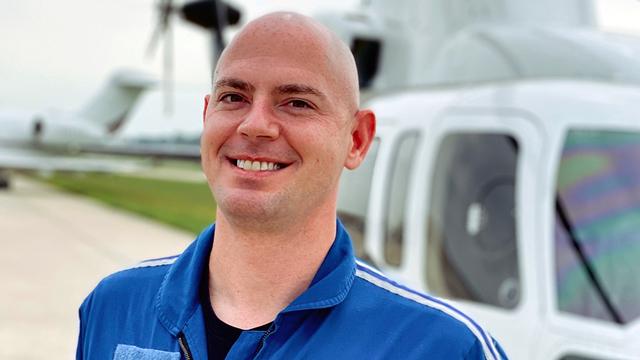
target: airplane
52 140
505 175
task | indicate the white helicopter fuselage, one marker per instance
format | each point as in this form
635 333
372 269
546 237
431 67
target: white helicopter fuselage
522 306
503 175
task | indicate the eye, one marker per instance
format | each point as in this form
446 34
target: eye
231 98
301 104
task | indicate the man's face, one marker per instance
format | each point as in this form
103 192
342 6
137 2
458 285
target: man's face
277 132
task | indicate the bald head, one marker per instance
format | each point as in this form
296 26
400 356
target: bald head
285 92
301 39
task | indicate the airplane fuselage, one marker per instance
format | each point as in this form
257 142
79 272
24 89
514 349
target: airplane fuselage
52 131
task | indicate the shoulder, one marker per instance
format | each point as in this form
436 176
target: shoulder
146 272
422 315
121 308
135 284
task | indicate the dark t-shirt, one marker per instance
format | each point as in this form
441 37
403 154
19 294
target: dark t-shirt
220 335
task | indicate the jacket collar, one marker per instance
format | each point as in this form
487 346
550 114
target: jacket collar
177 299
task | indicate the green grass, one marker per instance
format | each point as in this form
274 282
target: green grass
185 205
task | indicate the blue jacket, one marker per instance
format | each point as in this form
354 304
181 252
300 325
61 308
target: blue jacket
350 311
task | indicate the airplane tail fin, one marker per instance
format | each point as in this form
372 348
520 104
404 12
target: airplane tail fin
109 108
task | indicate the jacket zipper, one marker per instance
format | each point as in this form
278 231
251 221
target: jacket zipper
184 347
263 339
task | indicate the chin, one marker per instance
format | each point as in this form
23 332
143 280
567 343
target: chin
243 208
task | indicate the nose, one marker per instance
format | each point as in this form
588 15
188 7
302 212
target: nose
259 123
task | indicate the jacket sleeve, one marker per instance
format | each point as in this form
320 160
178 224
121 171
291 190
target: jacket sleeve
501 352
476 352
82 328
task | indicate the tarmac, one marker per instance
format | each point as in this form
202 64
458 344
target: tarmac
55 248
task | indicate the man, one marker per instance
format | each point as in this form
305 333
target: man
275 278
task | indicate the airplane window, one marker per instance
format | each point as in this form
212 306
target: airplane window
353 199
597 229
396 198
471 244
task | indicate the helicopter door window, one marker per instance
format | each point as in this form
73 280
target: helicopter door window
353 199
403 159
597 228
471 244
366 52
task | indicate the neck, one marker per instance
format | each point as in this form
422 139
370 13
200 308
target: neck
255 275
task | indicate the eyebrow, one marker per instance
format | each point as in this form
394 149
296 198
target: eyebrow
292 89
234 83
285 89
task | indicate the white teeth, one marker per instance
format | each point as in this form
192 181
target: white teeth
249 165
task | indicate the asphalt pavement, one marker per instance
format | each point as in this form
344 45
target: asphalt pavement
55 249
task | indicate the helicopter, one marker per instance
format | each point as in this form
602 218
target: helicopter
504 174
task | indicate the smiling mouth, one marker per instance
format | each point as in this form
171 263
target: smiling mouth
254 165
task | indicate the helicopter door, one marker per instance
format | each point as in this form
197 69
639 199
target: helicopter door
479 183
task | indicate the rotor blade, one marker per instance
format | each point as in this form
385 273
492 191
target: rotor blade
202 13
155 38
164 9
168 69
214 16
218 33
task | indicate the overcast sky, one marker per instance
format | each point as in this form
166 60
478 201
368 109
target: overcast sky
56 53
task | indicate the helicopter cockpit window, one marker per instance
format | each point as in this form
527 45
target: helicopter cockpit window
597 227
397 198
471 244
353 198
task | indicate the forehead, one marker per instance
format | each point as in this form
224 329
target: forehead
282 56
271 73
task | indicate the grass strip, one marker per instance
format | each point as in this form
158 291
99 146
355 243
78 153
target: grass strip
185 205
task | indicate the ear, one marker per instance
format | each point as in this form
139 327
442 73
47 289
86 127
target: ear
362 135
206 106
